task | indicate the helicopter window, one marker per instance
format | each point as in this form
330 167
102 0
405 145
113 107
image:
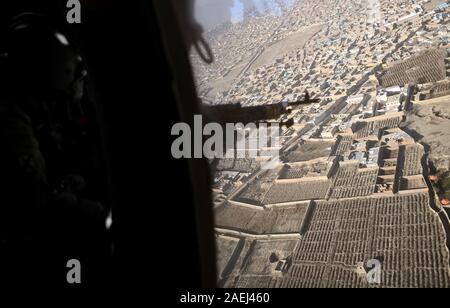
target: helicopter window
337 77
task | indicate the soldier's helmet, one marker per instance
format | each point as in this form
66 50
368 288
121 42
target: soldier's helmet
41 58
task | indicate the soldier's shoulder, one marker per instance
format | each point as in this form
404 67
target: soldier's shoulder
21 147
11 111
16 132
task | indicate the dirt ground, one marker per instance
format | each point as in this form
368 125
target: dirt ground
429 123
433 4
285 46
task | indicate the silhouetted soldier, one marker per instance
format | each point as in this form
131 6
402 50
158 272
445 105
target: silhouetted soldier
42 212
